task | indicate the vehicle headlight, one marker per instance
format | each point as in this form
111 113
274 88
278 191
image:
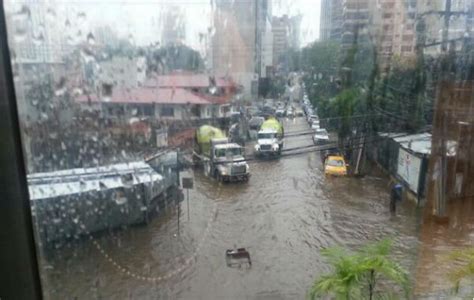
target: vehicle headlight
257 147
224 170
247 168
275 147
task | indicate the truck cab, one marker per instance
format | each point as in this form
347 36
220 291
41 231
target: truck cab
269 142
227 162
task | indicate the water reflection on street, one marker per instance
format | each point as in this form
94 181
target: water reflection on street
284 215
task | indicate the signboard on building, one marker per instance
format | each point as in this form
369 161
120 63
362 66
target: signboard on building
162 138
408 169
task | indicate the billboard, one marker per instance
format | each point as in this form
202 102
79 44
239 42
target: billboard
408 169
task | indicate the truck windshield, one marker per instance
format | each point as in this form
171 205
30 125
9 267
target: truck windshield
268 135
228 152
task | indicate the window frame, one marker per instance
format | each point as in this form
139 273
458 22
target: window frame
20 278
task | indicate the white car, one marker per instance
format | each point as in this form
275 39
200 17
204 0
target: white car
315 125
280 113
321 136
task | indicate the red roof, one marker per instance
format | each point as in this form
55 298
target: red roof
147 95
224 82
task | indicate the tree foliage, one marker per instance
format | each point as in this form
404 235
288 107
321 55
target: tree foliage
466 268
174 57
366 274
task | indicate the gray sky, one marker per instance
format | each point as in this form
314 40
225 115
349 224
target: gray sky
139 19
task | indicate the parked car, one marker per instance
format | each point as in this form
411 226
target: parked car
321 137
315 125
253 111
289 113
280 113
312 118
335 165
299 113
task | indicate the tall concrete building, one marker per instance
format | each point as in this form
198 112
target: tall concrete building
393 30
331 20
295 31
237 44
281 33
356 21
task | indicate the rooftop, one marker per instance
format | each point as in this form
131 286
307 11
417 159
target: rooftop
145 95
74 181
187 81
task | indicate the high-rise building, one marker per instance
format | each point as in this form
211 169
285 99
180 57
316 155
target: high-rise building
393 29
281 33
325 20
295 31
356 21
331 20
36 35
237 44
173 25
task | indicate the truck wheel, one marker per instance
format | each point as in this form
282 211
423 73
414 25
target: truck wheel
207 169
217 176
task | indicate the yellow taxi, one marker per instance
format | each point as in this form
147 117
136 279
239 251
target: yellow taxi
335 165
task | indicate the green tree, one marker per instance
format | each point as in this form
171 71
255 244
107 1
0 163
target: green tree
174 57
465 270
366 274
344 106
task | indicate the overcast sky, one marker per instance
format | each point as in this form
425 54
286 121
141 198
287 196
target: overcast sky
139 19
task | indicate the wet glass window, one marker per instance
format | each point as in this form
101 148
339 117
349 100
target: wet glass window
143 125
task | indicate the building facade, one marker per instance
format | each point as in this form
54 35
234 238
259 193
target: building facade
394 30
461 23
238 48
281 33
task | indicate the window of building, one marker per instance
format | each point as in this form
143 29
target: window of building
167 111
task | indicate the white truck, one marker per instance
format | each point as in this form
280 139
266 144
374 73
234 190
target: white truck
270 138
221 159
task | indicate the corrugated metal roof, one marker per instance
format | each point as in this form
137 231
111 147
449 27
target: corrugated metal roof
418 143
74 181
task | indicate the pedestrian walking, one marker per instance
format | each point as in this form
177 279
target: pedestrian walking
395 196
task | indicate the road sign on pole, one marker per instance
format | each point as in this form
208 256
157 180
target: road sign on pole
187 183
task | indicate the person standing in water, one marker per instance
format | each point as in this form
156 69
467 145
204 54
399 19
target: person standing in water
395 196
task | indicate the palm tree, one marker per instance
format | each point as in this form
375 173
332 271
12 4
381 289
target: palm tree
356 275
466 270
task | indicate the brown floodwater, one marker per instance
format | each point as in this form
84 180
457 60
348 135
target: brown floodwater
284 215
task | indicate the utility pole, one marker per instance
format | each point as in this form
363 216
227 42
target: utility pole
441 209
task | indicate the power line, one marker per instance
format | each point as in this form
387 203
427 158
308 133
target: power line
316 148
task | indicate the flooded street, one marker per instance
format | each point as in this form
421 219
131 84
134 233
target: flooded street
284 215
